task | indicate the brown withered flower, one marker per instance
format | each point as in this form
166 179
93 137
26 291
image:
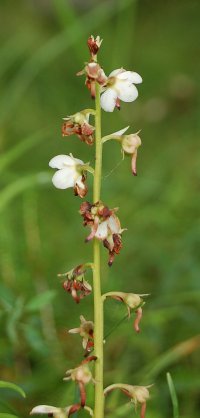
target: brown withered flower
105 226
94 74
75 283
94 45
78 124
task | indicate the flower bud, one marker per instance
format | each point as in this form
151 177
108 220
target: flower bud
140 394
80 374
94 45
132 300
130 143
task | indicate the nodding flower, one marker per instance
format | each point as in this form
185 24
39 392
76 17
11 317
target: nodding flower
129 145
132 301
82 376
120 85
105 226
137 394
78 124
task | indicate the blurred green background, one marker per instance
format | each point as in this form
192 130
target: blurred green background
43 45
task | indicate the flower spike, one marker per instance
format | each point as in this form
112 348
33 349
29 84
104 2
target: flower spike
138 394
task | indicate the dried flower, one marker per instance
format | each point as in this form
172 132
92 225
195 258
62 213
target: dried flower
94 74
138 394
105 226
94 45
76 283
78 124
119 86
86 331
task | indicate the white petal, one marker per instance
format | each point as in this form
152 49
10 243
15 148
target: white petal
126 92
74 331
80 183
76 160
114 225
131 77
134 77
115 73
45 409
108 100
102 230
61 161
64 178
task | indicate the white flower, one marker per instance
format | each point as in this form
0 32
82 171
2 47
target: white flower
120 86
69 174
48 409
59 412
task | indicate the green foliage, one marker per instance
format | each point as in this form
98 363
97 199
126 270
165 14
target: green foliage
42 46
3 415
8 385
173 396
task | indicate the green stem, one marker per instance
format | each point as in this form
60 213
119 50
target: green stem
98 303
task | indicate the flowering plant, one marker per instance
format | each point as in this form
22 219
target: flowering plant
104 226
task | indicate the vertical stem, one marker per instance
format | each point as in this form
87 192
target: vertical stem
98 304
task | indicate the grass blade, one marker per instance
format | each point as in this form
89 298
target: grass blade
173 396
9 385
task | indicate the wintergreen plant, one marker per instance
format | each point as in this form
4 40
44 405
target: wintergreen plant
104 227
